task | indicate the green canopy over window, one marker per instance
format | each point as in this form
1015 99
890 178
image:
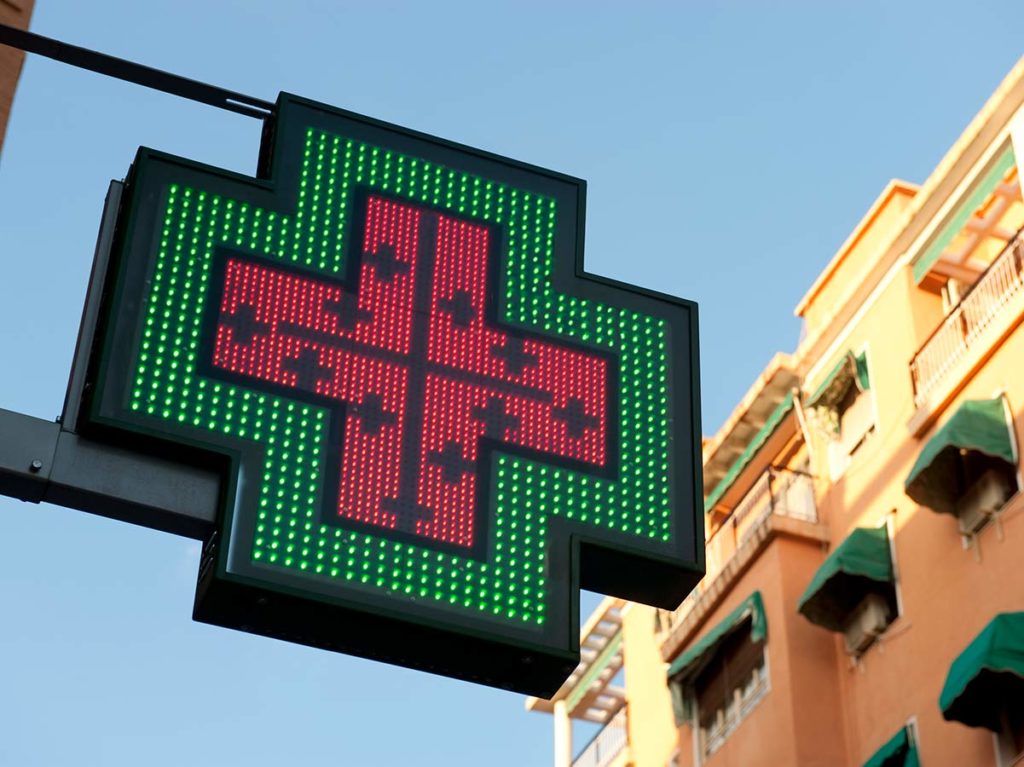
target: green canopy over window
860 565
899 751
978 425
851 370
691 662
748 454
987 675
688 665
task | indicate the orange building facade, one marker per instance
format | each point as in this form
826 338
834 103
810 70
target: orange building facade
864 596
13 13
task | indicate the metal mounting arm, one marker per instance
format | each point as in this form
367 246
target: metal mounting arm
39 461
49 461
140 74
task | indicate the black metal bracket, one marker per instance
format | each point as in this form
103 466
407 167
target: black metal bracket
132 72
45 461
50 461
40 461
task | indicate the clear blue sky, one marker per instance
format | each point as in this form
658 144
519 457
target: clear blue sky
729 149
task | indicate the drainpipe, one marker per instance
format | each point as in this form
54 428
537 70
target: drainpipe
801 418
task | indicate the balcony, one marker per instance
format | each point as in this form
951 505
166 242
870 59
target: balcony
977 312
777 492
778 495
610 741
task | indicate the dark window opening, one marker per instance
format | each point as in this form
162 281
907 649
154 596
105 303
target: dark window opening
729 688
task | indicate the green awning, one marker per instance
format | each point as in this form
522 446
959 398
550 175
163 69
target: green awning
988 674
748 454
860 565
899 751
688 666
693 661
985 185
978 425
851 370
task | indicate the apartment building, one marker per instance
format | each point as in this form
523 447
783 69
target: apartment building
13 13
864 596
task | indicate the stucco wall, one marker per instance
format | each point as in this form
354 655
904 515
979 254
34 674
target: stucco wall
794 723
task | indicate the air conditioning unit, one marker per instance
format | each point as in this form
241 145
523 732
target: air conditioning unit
867 622
982 499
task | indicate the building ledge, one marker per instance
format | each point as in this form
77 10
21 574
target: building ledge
748 417
683 624
894 188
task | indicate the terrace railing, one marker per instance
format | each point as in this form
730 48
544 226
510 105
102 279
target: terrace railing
606 745
975 312
777 492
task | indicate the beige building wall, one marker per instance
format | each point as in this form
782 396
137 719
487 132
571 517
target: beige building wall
652 732
947 592
857 257
880 297
795 722
824 707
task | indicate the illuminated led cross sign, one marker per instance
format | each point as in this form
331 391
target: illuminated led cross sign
435 428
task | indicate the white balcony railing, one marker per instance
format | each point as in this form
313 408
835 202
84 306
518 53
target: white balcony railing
606 745
777 492
968 320
782 493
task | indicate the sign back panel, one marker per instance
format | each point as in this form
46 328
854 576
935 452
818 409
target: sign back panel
434 427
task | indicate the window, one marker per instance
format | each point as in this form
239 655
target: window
1010 738
985 685
854 590
844 410
720 678
854 421
728 689
968 469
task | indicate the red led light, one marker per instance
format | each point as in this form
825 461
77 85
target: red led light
425 375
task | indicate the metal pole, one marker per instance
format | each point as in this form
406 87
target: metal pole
50 461
563 735
132 72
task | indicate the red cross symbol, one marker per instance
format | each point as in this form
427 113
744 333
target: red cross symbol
423 377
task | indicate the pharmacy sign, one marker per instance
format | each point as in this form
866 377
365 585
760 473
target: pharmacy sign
434 428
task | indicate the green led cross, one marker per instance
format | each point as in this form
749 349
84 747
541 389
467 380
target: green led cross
181 221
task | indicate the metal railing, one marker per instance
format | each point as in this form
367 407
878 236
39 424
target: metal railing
606 745
743 703
757 500
968 319
777 492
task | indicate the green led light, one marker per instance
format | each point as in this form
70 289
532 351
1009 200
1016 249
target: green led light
513 586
